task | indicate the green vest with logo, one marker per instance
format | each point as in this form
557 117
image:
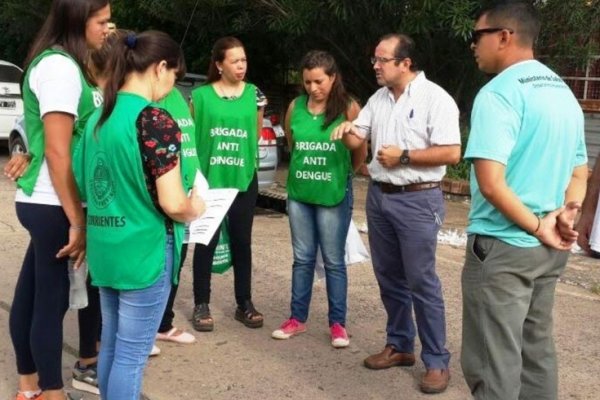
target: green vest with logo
176 105
226 136
126 234
319 167
90 99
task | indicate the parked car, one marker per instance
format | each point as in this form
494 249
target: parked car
268 157
11 103
189 83
17 139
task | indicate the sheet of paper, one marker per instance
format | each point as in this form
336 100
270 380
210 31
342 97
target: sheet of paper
217 201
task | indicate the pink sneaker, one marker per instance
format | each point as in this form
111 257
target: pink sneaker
288 329
339 337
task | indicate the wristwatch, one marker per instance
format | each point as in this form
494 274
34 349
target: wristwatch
404 158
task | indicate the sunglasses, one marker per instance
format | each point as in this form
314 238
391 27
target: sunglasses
477 34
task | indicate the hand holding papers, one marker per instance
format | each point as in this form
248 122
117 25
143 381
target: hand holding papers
217 202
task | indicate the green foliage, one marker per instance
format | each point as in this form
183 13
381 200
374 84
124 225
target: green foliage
570 32
19 22
277 33
462 170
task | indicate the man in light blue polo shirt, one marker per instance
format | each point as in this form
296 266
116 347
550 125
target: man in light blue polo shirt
529 160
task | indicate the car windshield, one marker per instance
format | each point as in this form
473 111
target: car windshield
189 83
9 74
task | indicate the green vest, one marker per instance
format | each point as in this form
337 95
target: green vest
176 105
319 167
90 99
226 136
126 234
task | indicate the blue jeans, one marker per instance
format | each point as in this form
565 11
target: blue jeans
403 230
130 319
314 226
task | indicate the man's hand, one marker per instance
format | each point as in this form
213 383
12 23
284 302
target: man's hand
16 166
548 232
345 128
389 156
566 222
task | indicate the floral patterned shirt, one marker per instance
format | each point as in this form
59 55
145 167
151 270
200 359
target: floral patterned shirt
159 138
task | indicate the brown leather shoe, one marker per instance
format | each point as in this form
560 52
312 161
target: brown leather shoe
389 357
435 380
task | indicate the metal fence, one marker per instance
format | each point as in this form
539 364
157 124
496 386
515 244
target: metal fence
585 83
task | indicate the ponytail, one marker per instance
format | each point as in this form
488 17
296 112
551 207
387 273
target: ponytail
133 53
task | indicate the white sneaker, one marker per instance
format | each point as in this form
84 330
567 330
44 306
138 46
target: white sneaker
155 351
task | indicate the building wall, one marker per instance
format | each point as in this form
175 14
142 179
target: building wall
592 136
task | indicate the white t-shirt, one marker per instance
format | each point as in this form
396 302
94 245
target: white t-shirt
56 83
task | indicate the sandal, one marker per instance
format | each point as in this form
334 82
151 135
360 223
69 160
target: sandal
202 320
248 315
176 335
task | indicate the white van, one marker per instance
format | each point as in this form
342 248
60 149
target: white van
11 103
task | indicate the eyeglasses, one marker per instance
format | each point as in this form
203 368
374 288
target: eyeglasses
384 60
477 34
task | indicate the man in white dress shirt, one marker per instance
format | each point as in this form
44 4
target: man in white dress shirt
414 131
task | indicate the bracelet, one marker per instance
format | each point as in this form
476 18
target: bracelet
538 225
77 227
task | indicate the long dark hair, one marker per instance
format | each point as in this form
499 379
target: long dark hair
65 27
338 100
99 58
217 54
135 53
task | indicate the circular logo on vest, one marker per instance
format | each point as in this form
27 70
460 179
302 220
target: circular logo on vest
102 184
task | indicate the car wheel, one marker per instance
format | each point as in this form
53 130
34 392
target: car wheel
17 146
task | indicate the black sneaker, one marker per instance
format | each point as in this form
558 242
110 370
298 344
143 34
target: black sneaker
85 379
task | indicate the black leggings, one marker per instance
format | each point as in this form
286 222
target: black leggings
41 295
90 322
241 216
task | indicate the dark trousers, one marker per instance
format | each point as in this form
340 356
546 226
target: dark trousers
41 295
90 322
403 231
241 216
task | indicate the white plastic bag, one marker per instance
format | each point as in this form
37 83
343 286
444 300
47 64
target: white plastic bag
355 251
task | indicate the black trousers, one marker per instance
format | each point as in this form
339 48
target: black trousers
241 217
90 323
41 295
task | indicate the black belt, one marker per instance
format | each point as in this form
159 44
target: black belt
411 187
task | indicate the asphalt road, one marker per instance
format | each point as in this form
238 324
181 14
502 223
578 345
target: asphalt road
235 362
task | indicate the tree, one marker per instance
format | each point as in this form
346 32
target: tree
277 33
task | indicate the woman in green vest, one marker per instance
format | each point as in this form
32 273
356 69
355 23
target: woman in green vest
58 99
228 115
319 190
132 181
179 109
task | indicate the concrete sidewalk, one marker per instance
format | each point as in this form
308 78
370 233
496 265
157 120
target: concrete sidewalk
236 362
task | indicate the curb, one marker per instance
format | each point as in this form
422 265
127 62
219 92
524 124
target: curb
456 187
